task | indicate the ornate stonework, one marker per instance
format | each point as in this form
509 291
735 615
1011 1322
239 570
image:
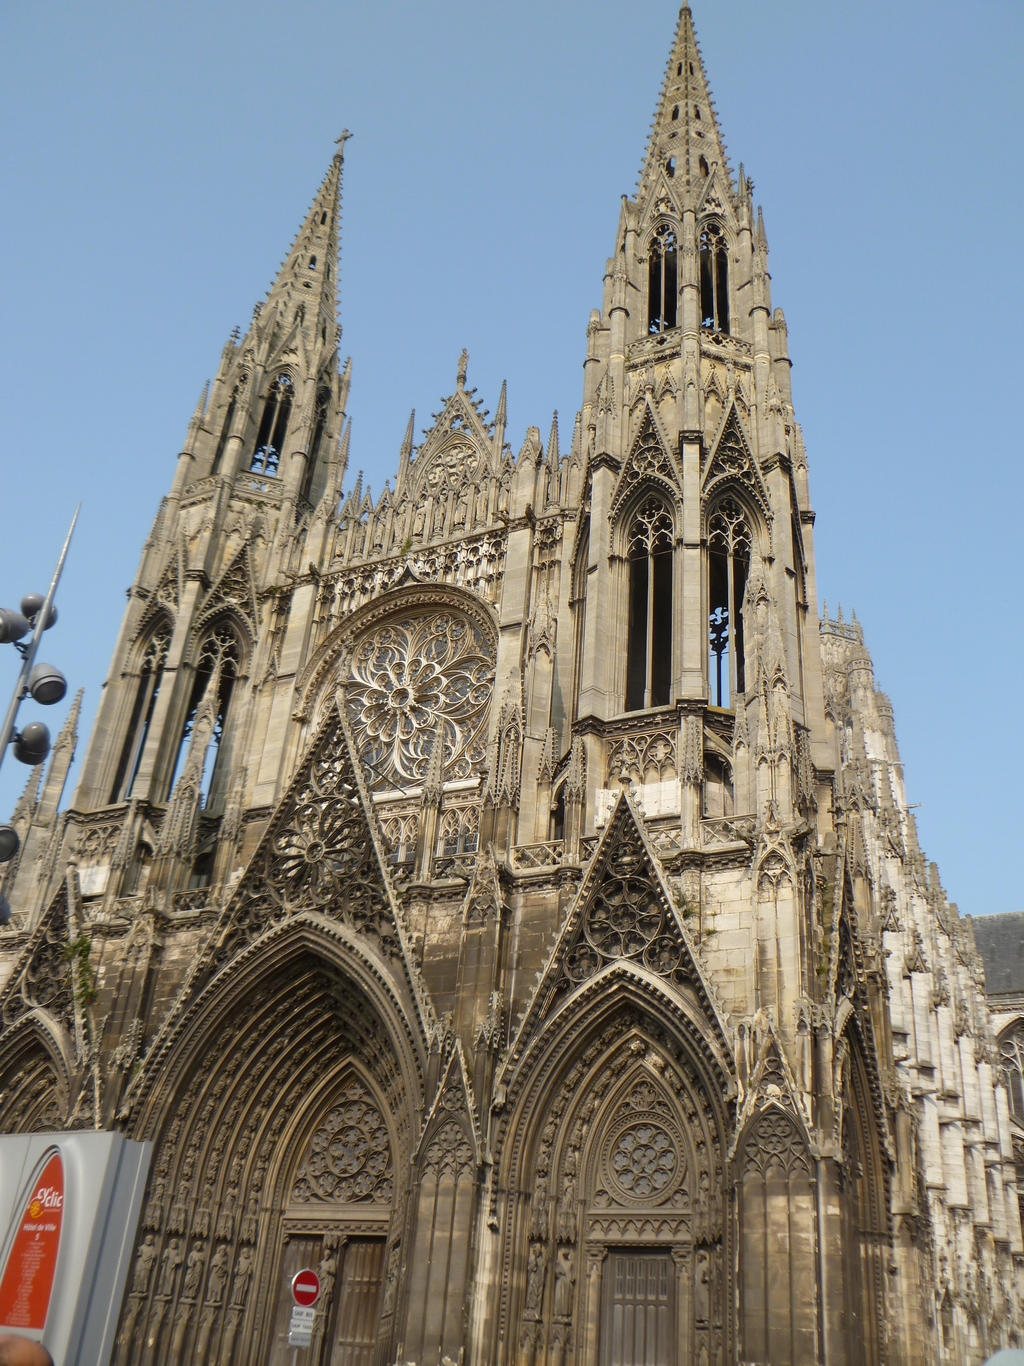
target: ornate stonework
498 892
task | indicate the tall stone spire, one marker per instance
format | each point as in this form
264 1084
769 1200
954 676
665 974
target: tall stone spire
685 137
306 287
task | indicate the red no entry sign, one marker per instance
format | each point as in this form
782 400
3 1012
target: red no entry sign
305 1286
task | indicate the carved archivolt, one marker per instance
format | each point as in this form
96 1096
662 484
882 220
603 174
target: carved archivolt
624 1150
295 1104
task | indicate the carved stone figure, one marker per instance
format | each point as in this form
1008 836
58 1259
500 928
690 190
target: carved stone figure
565 1277
193 1273
169 1263
144 1259
217 1275
536 1265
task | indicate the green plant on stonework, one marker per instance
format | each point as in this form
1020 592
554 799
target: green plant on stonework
406 546
76 952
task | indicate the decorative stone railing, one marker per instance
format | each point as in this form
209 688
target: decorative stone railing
454 865
194 899
718 831
546 855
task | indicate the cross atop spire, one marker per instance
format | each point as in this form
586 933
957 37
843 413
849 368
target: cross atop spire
306 287
685 140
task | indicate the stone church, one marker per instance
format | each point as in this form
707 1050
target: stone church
500 893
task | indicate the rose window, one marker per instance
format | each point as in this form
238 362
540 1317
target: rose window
417 684
642 1162
349 1156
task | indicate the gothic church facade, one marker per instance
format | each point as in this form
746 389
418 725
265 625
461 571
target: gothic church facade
500 894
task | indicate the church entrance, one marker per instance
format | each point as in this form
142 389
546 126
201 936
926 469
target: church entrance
351 1272
638 1318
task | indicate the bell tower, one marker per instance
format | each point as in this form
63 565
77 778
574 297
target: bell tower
697 482
197 669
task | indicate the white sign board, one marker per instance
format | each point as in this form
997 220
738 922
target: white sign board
300 1325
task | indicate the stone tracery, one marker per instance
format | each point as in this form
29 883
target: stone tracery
418 683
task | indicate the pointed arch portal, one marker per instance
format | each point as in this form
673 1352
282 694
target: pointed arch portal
281 1132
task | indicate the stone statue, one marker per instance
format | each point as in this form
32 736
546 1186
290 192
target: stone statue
143 1266
217 1276
565 1277
193 1274
172 1259
535 1279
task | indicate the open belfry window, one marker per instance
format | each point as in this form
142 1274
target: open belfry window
662 280
218 654
225 432
147 690
316 440
649 654
273 429
729 543
714 278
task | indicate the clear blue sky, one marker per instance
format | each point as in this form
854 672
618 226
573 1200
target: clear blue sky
158 160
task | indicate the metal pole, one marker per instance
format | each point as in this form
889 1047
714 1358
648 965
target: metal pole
37 635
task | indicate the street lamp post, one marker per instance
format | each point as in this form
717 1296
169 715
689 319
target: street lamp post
42 682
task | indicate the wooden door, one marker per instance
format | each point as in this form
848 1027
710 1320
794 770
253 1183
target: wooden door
357 1303
638 1319
299 1252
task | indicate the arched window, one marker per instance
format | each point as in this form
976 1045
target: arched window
578 606
225 432
649 655
1011 1050
266 456
714 278
323 398
218 653
718 788
150 677
729 542
662 280
556 828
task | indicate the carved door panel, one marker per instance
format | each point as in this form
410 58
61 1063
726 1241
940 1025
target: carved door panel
638 1319
357 1304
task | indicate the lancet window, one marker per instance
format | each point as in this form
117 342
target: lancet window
729 544
579 610
649 652
225 432
457 833
662 280
266 456
150 677
316 440
1012 1057
714 278
218 656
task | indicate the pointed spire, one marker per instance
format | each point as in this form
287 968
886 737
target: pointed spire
685 136
552 450
346 441
307 282
501 420
405 455
60 763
